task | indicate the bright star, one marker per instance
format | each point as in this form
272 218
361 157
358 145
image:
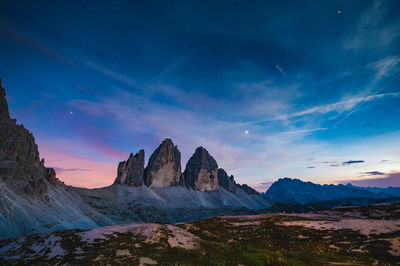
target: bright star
246 132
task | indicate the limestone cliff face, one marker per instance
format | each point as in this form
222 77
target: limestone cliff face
201 171
164 167
20 166
131 171
225 181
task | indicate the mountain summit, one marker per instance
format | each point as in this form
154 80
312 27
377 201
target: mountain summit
164 167
20 166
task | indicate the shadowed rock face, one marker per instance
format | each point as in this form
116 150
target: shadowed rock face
131 171
20 166
164 167
248 189
4 114
201 171
225 181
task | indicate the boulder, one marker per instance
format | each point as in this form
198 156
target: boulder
164 167
201 171
131 171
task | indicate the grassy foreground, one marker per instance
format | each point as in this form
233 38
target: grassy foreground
344 236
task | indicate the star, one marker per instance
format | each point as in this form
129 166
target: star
339 12
71 113
246 132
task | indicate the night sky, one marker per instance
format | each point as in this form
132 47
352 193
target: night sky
302 89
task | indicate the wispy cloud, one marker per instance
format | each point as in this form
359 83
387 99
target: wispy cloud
372 173
26 39
338 107
385 67
304 130
111 73
60 169
280 70
353 162
372 25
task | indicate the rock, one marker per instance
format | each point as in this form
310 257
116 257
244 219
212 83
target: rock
225 181
131 171
201 171
164 167
248 189
4 114
20 166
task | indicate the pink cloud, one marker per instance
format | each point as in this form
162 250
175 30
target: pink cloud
390 180
75 168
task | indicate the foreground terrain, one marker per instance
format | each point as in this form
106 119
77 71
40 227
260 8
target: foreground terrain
346 236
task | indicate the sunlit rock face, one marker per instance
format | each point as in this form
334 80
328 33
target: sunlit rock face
164 167
225 181
131 171
20 166
201 171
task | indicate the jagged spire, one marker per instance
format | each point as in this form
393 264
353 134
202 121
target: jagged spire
4 114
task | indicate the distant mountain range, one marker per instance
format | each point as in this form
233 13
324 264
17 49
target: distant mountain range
297 192
33 200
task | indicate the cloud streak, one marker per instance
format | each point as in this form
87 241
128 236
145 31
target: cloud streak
353 162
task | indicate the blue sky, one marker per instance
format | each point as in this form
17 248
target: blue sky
279 89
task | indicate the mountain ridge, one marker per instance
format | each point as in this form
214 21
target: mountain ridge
297 192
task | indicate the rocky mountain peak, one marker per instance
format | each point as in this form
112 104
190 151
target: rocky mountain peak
4 114
225 181
164 167
201 171
20 166
131 171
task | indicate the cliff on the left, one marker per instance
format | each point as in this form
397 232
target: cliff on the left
32 199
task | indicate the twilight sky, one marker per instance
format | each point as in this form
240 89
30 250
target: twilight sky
305 89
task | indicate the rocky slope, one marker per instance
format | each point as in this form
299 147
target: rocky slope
295 191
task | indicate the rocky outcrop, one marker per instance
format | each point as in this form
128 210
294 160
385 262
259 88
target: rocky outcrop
225 181
164 167
201 171
131 171
20 166
4 114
